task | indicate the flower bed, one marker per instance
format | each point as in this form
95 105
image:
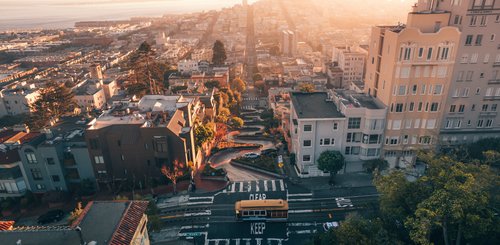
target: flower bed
263 162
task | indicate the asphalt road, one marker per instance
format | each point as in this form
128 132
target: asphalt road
209 218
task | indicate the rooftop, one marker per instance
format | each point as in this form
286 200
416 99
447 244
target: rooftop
105 222
352 99
314 105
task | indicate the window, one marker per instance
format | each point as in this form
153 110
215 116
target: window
160 144
480 123
55 178
489 91
371 139
452 108
489 123
402 90
444 53
399 107
50 161
354 123
473 108
465 92
478 91
414 89
335 126
457 20
407 54
486 58
461 108
473 58
448 124
36 173
354 137
307 143
306 158
410 108
419 106
352 150
30 156
464 59
485 107
94 144
429 54
438 89
425 140
484 19
469 76
99 159
394 140
473 20
479 40
422 89
307 128
468 40
434 106
420 52
326 141
494 107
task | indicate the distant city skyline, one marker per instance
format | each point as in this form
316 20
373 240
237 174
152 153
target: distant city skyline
56 14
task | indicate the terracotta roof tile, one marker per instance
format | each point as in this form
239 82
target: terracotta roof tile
6 225
129 223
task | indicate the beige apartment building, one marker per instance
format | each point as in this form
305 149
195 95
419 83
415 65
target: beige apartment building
410 69
471 111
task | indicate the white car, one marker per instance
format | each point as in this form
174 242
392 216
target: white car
251 155
329 225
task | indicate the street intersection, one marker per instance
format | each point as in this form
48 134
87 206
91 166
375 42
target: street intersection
209 218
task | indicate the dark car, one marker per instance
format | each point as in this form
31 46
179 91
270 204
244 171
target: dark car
51 216
269 152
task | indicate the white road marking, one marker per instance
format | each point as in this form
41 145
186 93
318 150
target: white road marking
282 185
237 241
206 212
273 185
300 211
265 185
189 233
241 186
302 224
199 198
249 186
300 195
233 187
300 200
198 203
257 185
195 226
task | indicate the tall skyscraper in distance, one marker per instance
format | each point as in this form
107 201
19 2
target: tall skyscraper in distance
289 42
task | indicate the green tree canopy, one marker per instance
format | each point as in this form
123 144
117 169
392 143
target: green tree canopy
54 101
331 161
306 88
237 122
212 84
203 134
219 56
238 85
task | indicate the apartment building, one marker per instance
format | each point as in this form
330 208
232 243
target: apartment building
12 177
17 98
133 140
340 120
289 41
56 159
352 62
471 111
410 69
90 95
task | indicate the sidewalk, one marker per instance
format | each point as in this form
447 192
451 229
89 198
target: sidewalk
341 181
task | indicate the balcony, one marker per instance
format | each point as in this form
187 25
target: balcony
494 81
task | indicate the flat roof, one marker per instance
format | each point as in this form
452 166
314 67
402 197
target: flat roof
314 105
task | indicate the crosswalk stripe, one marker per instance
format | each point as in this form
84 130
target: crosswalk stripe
233 186
241 186
265 185
282 185
249 186
257 186
273 185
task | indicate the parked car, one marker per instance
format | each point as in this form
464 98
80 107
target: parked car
269 152
51 216
330 225
251 155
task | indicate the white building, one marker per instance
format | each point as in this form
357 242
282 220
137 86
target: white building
17 100
338 120
289 42
187 66
352 62
90 95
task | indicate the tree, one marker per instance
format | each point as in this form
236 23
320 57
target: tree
174 173
306 88
76 213
212 84
257 77
375 164
331 161
237 122
457 205
54 101
238 85
148 75
219 57
203 134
